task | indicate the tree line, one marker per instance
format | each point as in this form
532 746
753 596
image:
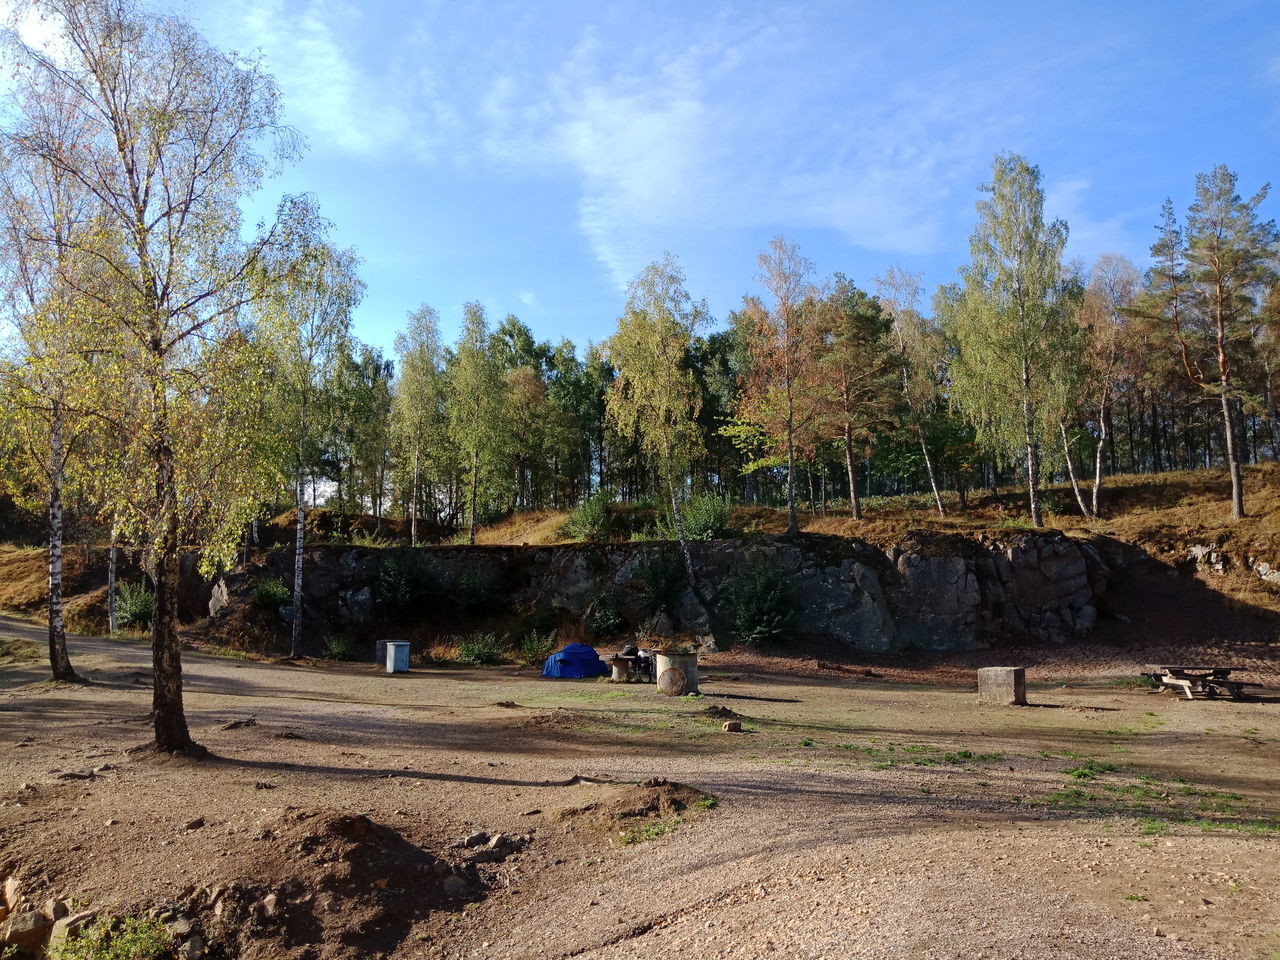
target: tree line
172 373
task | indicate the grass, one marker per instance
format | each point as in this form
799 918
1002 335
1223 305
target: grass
17 650
642 833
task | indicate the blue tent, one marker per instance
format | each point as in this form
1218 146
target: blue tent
574 662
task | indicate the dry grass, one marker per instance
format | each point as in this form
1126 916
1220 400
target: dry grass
535 528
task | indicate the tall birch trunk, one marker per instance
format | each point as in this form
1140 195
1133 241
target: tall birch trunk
793 523
113 616
1033 447
1071 471
1104 433
855 502
59 660
299 539
475 494
933 479
167 713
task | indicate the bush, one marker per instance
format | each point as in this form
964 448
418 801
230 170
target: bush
135 606
758 607
272 594
406 580
478 589
706 517
340 648
662 580
536 647
132 938
604 614
591 520
480 649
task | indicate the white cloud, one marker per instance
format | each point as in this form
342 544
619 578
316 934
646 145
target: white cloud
529 299
1088 236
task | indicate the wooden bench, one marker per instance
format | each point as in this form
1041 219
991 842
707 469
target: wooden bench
1209 681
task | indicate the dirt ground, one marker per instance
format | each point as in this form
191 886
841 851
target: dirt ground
854 816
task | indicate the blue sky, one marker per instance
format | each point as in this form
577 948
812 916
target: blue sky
534 156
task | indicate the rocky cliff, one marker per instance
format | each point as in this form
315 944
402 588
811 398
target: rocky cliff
931 591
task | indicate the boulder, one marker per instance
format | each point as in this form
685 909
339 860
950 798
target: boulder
69 927
28 928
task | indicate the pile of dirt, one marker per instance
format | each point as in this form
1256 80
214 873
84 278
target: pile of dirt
656 799
559 717
323 884
721 713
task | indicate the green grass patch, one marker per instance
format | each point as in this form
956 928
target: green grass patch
642 833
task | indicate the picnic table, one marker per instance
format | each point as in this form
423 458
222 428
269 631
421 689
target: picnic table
1191 680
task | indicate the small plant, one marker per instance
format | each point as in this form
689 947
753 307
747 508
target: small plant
368 538
706 517
130 938
759 609
1090 769
592 520
647 831
480 649
135 606
604 614
406 579
271 594
662 580
340 648
536 647
1136 897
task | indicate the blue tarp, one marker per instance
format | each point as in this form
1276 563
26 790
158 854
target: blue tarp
574 662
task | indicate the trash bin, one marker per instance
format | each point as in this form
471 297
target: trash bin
397 656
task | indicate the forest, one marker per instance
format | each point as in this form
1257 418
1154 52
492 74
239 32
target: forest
172 373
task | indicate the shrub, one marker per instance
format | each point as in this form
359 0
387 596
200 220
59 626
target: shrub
758 607
706 517
272 594
480 649
132 938
340 648
405 579
536 647
135 606
604 614
662 580
591 520
369 538
478 589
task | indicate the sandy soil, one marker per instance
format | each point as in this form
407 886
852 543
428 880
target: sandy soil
856 817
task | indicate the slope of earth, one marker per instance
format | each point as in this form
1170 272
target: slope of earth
852 819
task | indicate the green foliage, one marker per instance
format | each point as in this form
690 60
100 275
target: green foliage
135 606
130 938
591 520
340 648
536 647
370 539
661 581
758 606
604 614
406 580
478 589
271 594
706 517
480 649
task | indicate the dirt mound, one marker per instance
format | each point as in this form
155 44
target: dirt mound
721 713
559 717
655 799
322 884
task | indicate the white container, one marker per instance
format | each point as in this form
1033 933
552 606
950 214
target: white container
688 662
397 656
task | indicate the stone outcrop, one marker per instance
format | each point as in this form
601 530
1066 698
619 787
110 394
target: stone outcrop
931 591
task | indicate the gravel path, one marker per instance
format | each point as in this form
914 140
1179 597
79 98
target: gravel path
817 848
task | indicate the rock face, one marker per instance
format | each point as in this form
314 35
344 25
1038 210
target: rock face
929 591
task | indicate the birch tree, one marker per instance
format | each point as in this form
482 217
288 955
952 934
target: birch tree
308 315
174 133
655 397
475 405
1008 324
419 418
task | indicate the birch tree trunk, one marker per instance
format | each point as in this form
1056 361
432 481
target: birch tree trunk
1071 471
793 524
59 661
1104 433
855 502
299 538
475 493
113 618
168 717
1033 448
933 480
